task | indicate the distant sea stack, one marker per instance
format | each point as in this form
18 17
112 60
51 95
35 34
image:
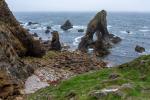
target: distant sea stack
67 25
98 26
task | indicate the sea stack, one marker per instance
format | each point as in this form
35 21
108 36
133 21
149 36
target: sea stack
55 43
98 26
67 25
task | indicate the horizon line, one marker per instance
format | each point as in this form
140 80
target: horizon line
85 11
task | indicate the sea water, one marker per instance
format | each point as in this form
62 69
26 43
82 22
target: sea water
133 28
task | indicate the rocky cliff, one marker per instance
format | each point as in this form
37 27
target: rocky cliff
22 41
15 41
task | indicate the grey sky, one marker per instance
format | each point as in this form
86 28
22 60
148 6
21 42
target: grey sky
80 5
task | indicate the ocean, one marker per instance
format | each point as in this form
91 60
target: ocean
118 23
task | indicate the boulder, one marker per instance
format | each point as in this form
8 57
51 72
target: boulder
80 30
67 25
22 41
139 49
98 26
55 43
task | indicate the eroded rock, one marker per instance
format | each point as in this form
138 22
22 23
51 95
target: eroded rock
55 43
23 42
98 26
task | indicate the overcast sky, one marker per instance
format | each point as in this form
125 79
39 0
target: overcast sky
79 5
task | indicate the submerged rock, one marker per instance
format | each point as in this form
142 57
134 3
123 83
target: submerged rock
139 49
80 30
31 23
47 31
67 25
48 27
55 43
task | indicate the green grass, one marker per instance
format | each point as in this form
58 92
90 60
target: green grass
136 73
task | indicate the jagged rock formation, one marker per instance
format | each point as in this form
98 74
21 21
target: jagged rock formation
55 43
23 42
67 25
14 42
98 26
11 65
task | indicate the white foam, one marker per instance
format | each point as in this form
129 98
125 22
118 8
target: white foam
56 27
90 49
144 30
109 26
125 32
77 40
79 27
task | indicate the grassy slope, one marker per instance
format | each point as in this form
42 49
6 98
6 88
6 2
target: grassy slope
136 73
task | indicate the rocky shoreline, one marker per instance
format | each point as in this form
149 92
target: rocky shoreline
27 63
18 57
57 66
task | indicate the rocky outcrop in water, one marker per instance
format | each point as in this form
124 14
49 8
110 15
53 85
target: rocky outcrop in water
31 23
139 49
80 30
55 43
67 25
98 26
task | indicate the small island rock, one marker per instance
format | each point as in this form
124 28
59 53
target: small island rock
67 25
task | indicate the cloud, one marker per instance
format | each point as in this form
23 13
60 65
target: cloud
79 5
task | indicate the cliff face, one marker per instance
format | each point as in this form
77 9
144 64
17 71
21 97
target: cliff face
15 41
23 42
12 70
